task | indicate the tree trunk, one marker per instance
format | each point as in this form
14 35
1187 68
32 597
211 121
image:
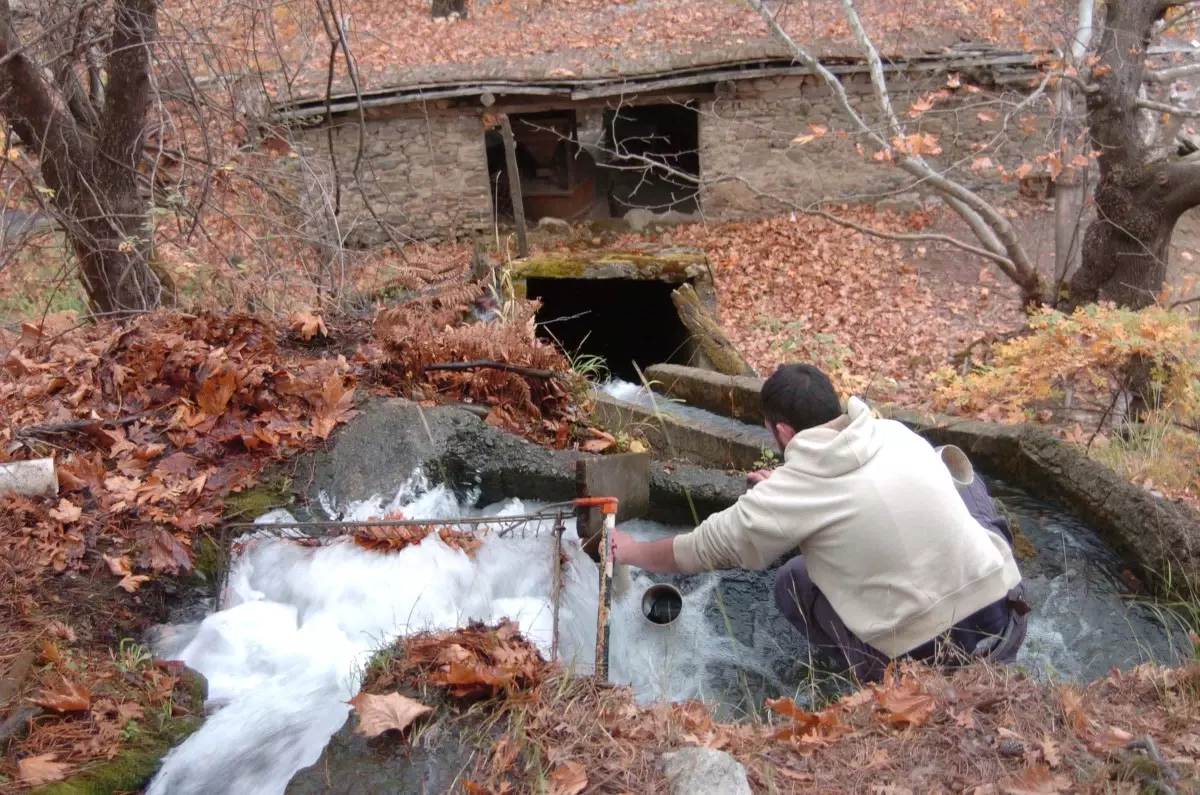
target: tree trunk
90 150
1126 249
1138 200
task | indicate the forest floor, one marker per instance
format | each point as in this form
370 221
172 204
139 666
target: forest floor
158 425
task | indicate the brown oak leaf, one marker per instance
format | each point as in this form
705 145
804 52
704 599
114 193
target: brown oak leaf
377 714
72 698
568 778
38 770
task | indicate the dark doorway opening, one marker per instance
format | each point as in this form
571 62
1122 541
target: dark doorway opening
556 179
622 321
654 158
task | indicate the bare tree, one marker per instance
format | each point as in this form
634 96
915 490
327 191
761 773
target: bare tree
79 99
1144 187
999 242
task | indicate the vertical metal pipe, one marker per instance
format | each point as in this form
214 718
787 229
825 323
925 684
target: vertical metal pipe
556 594
605 606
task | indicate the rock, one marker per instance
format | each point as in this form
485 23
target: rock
901 203
704 771
376 454
554 225
354 765
639 218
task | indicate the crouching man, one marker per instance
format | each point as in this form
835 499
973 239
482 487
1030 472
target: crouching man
898 559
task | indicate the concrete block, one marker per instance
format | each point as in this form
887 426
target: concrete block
737 397
682 439
625 476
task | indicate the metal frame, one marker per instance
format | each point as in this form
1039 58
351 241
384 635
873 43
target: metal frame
555 513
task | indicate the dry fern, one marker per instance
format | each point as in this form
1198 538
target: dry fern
429 331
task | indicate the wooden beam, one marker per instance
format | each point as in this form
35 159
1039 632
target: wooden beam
514 185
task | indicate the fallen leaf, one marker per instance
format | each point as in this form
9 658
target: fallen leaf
50 652
216 392
66 512
1072 704
1051 753
905 702
597 445
119 566
377 714
37 770
1035 780
568 779
74 698
128 712
132 582
307 325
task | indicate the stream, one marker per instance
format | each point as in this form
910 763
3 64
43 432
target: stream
298 623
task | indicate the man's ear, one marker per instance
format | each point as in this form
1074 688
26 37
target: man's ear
783 433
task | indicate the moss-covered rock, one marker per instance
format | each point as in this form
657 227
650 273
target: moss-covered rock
138 760
272 492
675 264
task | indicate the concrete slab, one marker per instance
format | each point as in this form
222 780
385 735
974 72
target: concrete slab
625 476
681 439
734 396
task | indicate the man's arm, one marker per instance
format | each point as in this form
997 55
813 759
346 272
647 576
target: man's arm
655 556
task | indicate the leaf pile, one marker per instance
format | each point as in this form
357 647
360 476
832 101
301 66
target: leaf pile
471 663
415 336
387 539
982 731
152 425
82 722
806 289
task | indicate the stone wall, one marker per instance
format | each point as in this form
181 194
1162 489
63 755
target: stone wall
424 174
751 135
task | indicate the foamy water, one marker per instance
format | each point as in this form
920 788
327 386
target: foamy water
298 624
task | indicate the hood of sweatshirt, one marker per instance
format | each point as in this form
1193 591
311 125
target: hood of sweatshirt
837 447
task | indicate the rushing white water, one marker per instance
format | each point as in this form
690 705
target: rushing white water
298 624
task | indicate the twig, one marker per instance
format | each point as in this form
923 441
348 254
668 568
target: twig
532 372
1165 771
80 425
1104 417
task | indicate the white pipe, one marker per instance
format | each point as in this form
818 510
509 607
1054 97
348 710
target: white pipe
36 478
958 465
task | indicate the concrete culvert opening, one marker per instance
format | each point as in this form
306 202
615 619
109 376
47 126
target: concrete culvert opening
622 321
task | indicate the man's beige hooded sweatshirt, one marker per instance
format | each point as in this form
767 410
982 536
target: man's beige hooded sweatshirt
883 531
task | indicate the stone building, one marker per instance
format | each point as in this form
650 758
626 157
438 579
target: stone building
722 126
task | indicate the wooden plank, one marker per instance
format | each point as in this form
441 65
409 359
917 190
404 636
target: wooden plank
514 186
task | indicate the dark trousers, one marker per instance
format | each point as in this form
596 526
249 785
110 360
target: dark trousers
1000 627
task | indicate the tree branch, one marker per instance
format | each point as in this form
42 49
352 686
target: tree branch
1001 260
1162 107
26 101
1172 74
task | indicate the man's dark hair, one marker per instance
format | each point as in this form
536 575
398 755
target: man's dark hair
800 395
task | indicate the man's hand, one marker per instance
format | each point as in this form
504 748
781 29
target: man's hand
620 539
754 478
658 556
